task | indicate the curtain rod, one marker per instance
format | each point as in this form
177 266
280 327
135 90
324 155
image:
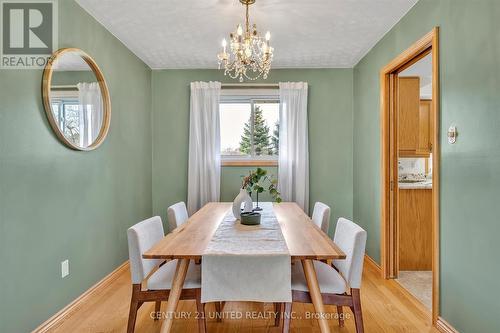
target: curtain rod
250 85
64 86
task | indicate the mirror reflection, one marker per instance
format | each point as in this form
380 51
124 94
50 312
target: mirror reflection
76 100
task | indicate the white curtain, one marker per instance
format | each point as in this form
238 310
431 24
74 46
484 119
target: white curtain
91 112
293 169
204 145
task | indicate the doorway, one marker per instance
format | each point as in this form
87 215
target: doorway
410 171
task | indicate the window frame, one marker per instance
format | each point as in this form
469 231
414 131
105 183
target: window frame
252 159
63 98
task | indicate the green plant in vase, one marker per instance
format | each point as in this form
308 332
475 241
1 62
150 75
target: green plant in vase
254 182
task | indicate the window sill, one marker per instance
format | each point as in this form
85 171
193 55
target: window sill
253 163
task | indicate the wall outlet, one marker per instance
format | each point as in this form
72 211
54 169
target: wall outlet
64 268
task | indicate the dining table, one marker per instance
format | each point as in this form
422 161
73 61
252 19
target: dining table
305 242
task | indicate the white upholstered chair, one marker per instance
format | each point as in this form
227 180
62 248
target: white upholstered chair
321 216
177 214
340 284
141 237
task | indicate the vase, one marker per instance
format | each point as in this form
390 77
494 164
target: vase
242 197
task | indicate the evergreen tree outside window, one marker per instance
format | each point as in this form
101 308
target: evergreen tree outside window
261 135
250 129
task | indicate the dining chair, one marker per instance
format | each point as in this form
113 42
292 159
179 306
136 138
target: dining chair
157 274
177 214
339 284
321 216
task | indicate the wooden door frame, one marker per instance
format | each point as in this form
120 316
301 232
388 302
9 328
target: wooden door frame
389 163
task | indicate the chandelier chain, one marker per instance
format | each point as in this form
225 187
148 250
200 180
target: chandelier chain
247 18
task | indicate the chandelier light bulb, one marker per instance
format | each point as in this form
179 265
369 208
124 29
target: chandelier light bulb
224 44
239 30
268 36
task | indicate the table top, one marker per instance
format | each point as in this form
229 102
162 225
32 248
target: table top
189 241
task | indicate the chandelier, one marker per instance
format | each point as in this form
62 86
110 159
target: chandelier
250 55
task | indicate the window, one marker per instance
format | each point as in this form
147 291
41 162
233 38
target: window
66 109
249 129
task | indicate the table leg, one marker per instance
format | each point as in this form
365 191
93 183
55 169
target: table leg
314 291
175 294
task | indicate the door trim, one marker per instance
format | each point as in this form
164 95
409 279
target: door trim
389 163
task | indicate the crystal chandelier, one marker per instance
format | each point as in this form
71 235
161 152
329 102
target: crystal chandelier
250 55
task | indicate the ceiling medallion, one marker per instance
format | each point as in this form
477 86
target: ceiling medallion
249 55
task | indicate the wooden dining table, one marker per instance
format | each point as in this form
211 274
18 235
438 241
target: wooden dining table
305 241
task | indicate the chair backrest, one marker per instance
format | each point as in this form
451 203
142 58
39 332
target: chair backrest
321 216
177 214
351 239
142 237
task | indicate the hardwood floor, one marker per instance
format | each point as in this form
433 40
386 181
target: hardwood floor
386 308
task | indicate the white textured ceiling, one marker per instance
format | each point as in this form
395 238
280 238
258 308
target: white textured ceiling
305 33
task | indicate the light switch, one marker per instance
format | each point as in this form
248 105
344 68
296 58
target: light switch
65 268
452 134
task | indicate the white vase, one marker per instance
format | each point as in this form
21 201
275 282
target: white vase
242 197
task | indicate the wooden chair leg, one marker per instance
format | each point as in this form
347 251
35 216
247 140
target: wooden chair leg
358 316
134 306
202 325
287 315
340 314
277 312
157 310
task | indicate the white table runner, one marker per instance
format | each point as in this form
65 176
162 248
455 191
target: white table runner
247 263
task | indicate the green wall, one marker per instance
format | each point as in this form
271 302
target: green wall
231 177
72 77
58 204
330 136
470 185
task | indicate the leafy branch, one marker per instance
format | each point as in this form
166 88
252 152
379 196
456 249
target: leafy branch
255 180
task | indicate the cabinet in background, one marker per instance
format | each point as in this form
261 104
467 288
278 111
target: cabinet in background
415 119
408 115
426 127
415 229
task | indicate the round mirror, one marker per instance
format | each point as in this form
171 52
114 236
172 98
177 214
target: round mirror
76 99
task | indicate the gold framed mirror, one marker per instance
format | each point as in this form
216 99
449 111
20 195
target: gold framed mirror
76 99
